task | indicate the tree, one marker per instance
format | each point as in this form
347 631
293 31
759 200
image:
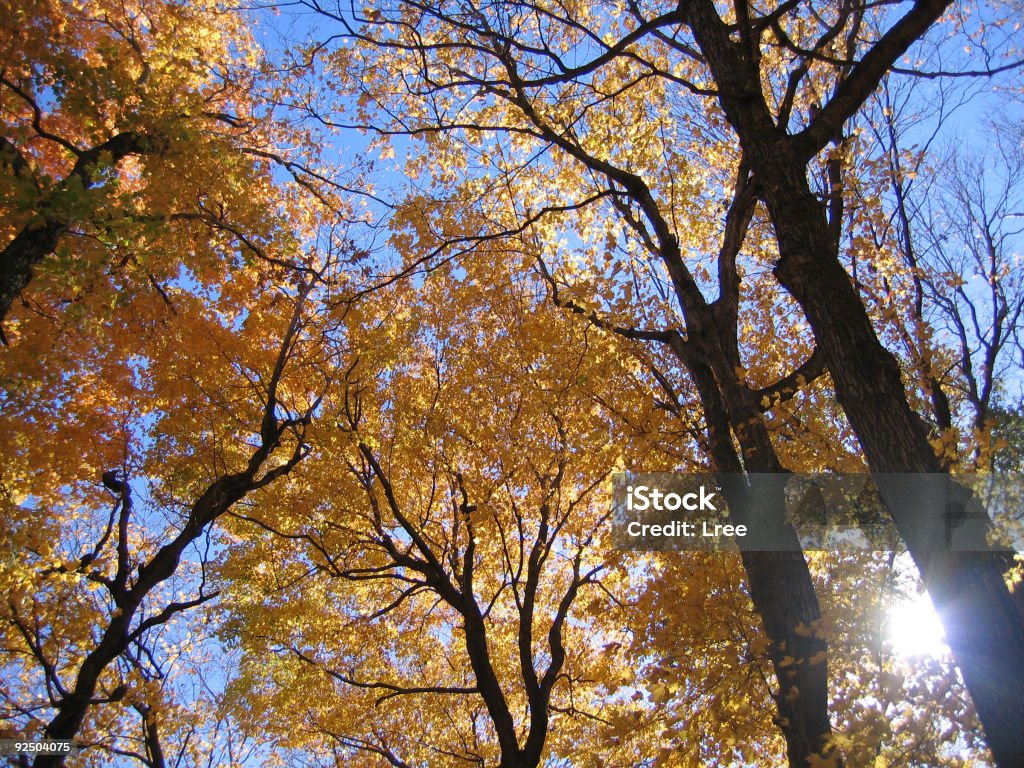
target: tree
163 368
786 81
984 629
452 573
974 289
88 587
129 122
949 219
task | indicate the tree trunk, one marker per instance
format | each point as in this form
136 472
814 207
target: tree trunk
29 247
780 583
983 628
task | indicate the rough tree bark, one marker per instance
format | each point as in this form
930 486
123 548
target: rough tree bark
983 628
39 237
781 587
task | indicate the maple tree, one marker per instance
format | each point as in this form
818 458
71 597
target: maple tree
454 573
109 564
495 91
158 369
731 407
983 626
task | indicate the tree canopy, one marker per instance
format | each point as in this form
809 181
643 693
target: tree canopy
325 329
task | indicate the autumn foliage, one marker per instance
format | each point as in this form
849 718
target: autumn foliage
325 328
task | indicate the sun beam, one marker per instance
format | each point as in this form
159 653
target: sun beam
913 628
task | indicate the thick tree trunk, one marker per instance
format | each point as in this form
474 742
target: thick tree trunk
983 628
782 593
74 707
29 247
39 238
780 583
